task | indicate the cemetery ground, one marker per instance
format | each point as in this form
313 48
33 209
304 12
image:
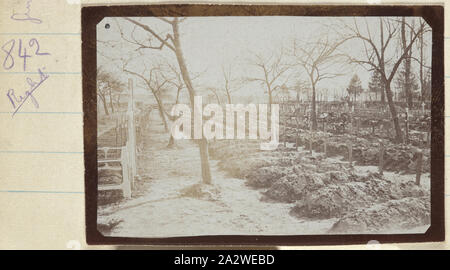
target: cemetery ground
294 190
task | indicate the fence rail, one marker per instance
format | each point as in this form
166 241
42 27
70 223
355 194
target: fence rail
127 159
127 182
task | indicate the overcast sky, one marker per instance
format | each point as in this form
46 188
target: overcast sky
210 42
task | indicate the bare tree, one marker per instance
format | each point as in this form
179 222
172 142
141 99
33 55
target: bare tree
172 42
422 62
226 90
117 88
176 80
155 82
271 71
407 79
214 93
102 78
375 55
300 88
317 59
354 88
107 88
231 84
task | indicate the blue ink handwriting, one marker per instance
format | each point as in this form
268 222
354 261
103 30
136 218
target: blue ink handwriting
18 101
8 47
26 15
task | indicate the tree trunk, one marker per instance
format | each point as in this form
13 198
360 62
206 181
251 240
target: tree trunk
206 173
269 109
172 139
161 112
203 144
393 110
387 87
407 65
217 97
422 83
103 99
383 97
313 109
408 90
270 102
228 97
118 102
111 101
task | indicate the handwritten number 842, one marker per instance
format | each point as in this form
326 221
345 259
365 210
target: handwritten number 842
8 48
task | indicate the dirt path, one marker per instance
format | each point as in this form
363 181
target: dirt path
160 209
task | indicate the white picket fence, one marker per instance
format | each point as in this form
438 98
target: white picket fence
127 159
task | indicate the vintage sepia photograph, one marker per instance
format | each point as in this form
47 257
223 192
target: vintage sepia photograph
263 125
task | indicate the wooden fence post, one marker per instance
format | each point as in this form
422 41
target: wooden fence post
131 131
126 183
325 146
117 130
123 131
419 166
381 159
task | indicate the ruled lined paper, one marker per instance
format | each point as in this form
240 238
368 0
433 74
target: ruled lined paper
41 119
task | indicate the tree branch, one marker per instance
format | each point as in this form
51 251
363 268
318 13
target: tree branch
164 42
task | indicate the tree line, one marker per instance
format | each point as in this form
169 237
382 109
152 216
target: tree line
308 63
